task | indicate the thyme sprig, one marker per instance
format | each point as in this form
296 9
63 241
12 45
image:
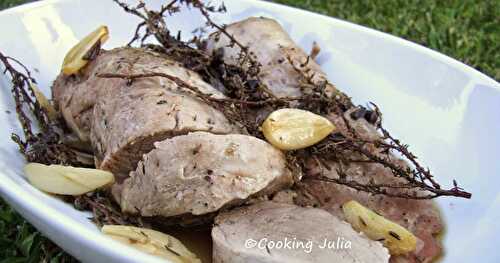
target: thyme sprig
43 146
244 101
246 97
419 183
48 146
105 211
416 178
155 24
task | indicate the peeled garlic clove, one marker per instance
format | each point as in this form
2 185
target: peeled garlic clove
66 180
91 178
171 244
376 227
75 58
144 247
70 121
44 102
151 242
133 233
292 129
46 179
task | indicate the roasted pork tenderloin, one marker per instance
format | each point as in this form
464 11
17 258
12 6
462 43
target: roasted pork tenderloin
200 173
270 232
145 131
421 217
174 155
122 118
275 50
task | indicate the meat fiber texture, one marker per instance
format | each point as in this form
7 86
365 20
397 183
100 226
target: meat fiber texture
251 234
126 125
421 217
271 44
122 118
201 172
274 49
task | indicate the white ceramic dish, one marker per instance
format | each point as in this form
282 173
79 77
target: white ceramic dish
447 111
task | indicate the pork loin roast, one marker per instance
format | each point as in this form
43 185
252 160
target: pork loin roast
274 49
421 217
202 172
272 46
127 123
185 161
270 232
127 117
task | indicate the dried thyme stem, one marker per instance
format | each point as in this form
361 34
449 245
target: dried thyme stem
351 144
418 179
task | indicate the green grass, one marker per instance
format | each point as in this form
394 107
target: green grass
463 29
10 3
467 30
20 242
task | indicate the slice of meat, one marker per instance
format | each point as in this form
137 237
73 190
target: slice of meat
273 48
76 95
200 173
122 118
270 232
421 217
126 124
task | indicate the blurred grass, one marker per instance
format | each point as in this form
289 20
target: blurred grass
10 3
463 29
20 242
467 30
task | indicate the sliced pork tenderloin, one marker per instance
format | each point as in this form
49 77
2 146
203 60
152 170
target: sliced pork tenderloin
273 48
76 95
421 217
127 123
201 172
272 45
253 234
123 118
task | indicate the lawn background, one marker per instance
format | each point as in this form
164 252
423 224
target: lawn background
466 30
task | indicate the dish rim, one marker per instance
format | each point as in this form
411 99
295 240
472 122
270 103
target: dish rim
13 193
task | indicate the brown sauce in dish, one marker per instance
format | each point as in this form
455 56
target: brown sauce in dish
197 241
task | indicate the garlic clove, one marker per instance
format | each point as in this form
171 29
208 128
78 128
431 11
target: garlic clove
75 58
144 247
71 122
66 180
91 178
292 129
151 242
397 239
44 102
133 233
